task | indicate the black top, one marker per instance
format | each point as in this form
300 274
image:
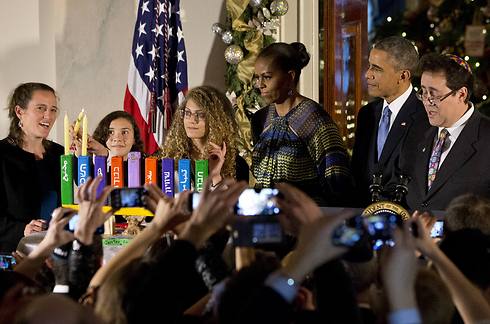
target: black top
29 189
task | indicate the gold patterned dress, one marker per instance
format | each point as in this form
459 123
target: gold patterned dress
303 148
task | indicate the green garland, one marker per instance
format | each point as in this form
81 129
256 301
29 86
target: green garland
251 99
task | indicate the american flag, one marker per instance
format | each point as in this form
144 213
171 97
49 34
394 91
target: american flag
157 76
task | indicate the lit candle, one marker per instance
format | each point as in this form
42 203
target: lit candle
67 134
77 122
84 136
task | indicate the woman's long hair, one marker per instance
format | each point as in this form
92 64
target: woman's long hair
221 126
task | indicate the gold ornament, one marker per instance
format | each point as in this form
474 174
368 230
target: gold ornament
279 7
233 54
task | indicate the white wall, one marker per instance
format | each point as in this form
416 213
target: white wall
82 49
27 47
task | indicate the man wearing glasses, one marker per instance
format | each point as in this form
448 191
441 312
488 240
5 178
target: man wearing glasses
384 123
453 156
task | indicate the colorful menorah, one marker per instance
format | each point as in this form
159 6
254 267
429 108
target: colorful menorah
95 166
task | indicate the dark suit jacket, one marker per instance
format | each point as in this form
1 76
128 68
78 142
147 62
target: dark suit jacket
411 119
466 168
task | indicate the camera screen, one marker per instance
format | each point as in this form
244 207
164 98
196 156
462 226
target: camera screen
265 233
438 229
127 197
254 203
380 227
346 236
195 199
73 223
7 262
131 198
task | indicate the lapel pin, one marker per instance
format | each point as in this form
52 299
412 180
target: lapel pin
404 124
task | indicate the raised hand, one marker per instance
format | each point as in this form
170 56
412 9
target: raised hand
215 209
91 214
315 246
399 269
168 212
56 234
96 148
297 208
423 242
75 140
426 219
35 226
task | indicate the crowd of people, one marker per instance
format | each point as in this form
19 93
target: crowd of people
434 136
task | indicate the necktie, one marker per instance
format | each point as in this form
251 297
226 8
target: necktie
435 157
383 129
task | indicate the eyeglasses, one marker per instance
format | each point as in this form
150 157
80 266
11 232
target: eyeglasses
433 101
198 115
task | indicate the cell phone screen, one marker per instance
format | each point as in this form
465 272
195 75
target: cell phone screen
255 203
438 229
7 262
127 197
73 223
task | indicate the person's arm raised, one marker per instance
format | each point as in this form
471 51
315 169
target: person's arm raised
56 236
467 298
167 214
215 209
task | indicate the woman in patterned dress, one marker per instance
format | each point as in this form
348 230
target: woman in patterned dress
297 142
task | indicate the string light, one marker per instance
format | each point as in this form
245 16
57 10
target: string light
477 64
431 38
404 34
466 58
388 19
484 97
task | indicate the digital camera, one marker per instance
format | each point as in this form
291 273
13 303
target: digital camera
257 224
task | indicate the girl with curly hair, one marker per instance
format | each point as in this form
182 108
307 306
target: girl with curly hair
205 128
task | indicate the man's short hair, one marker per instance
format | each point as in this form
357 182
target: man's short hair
401 51
457 75
468 211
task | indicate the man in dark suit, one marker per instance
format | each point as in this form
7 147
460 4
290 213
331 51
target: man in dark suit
453 157
383 124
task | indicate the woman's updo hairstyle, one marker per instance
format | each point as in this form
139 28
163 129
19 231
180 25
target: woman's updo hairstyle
287 57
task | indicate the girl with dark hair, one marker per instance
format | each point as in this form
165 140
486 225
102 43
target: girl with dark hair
29 164
296 141
116 135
